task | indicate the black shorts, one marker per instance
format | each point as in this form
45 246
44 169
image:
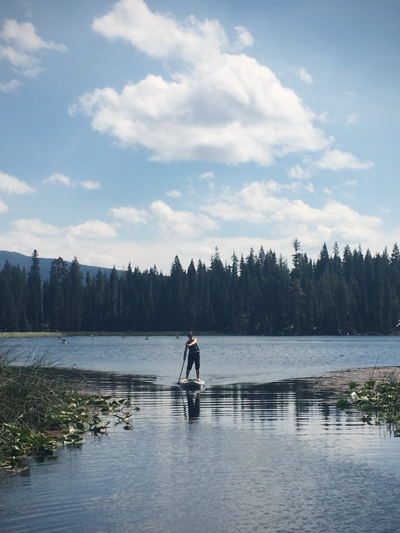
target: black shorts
193 358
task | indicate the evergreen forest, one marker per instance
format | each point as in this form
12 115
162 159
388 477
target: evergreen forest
348 294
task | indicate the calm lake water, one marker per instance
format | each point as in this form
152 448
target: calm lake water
249 453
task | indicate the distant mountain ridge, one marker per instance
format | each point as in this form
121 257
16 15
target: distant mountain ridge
25 261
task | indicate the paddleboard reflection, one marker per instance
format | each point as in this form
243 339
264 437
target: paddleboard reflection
193 403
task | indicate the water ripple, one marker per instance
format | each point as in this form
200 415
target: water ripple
271 457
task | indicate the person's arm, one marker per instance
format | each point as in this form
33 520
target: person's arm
186 349
194 341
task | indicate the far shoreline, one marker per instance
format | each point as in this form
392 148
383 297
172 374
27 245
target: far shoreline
59 334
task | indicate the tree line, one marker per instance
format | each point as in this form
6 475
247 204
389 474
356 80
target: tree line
351 294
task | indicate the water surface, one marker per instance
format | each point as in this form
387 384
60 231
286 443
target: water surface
224 359
246 454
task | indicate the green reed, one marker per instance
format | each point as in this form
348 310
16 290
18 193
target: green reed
41 407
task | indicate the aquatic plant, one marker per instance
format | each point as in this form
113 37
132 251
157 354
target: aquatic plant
41 408
379 401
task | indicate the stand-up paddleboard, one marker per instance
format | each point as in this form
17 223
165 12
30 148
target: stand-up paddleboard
192 384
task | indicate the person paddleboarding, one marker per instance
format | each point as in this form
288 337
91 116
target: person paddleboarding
192 347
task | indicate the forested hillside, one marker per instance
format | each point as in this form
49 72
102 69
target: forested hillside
45 264
259 294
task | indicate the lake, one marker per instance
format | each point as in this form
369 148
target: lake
257 450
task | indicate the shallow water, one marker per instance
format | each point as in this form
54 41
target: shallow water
245 455
224 359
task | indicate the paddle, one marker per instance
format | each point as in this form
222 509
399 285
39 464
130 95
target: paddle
179 379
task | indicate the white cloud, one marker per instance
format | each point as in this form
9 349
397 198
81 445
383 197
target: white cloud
351 183
305 76
35 226
183 224
352 118
160 35
293 187
207 175
338 160
182 233
10 86
130 215
24 37
334 218
273 186
309 187
90 185
22 43
298 172
25 63
69 242
244 38
256 204
348 196
60 178
160 252
219 107
93 229
12 185
3 207
174 194
324 117
251 204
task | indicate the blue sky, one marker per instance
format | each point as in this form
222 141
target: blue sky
134 132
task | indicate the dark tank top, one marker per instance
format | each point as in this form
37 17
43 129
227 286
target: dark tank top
193 349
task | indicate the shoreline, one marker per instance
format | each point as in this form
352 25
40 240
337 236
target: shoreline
43 334
59 334
336 382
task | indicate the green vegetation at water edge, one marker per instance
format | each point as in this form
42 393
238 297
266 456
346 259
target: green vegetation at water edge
379 402
41 408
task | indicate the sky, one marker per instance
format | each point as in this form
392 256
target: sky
134 132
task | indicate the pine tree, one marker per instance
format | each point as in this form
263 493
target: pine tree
87 298
323 262
35 295
297 256
178 296
191 297
75 300
57 295
336 261
112 301
218 278
8 319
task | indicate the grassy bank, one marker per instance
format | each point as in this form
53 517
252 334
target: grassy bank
41 407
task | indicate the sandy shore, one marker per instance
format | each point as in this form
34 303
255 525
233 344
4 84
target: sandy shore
335 383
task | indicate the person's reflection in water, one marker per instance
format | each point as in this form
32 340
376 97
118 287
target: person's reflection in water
193 399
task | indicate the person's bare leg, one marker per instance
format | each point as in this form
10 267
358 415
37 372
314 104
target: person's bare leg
198 374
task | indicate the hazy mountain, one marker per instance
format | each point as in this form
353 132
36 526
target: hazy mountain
45 264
